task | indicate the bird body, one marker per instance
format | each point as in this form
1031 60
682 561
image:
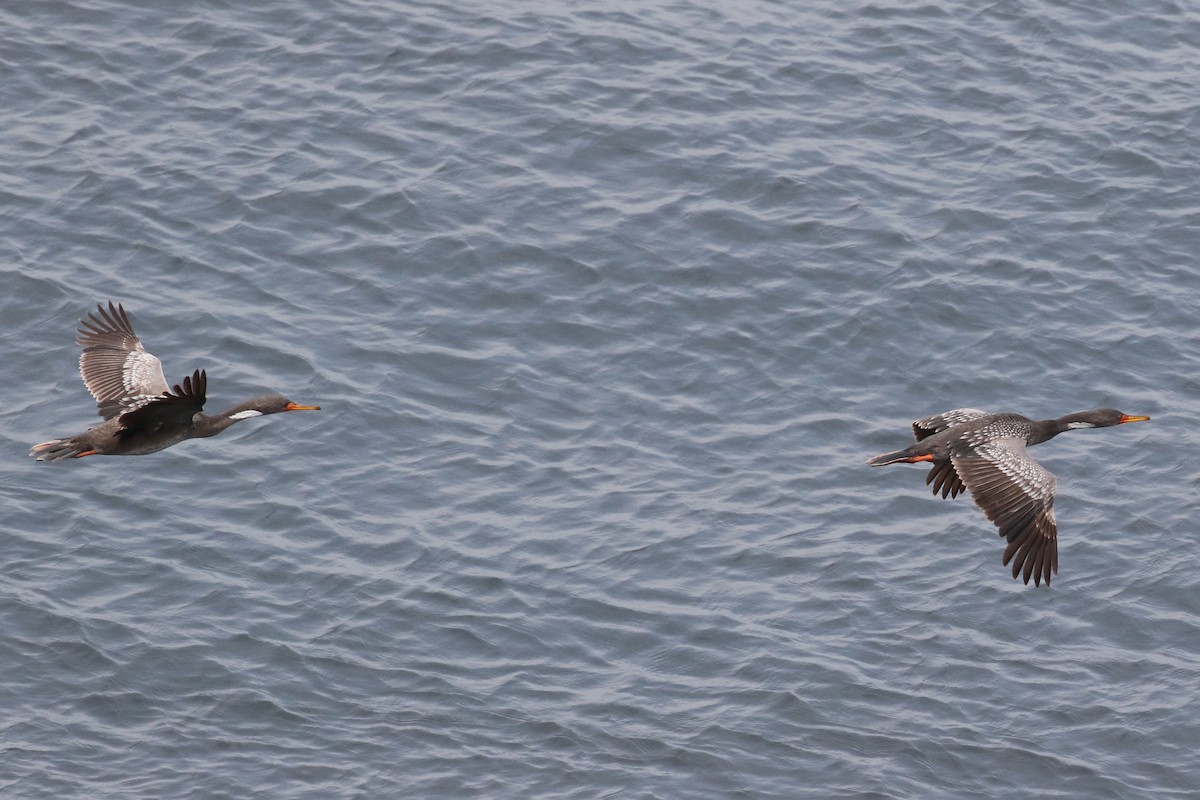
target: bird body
142 414
985 453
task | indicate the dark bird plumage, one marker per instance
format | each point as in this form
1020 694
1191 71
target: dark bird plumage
142 413
985 453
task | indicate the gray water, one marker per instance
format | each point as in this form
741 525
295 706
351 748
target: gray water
605 305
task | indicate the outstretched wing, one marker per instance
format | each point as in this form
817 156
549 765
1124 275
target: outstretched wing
115 367
1017 494
171 410
947 419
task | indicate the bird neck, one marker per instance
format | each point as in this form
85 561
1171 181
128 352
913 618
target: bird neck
1046 429
206 425
1049 428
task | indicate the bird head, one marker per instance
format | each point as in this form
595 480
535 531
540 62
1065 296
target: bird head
267 404
1100 418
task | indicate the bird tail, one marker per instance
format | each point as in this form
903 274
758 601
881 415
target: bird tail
56 449
890 458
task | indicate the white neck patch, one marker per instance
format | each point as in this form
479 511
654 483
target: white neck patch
247 414
1072 425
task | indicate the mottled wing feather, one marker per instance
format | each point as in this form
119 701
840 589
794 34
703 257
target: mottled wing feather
1017 495
948 419
115 367
171 410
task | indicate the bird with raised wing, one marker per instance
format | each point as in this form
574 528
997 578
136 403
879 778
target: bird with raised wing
985 453
142 413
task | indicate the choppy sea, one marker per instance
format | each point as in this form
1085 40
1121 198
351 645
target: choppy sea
605 304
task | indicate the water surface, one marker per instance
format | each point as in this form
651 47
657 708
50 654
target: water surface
606 305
